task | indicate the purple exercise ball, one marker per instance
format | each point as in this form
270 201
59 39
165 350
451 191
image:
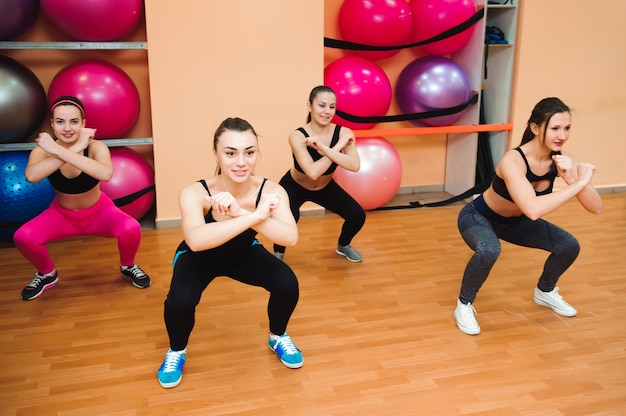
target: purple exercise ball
432 83
17 17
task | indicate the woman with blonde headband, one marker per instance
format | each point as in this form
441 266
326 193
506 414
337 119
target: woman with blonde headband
74 164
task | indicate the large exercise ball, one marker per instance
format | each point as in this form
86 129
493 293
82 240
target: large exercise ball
132 184
17 17
110 96
23 103
375 23
362 89
20 200
379 178
434 17
93 20
432 83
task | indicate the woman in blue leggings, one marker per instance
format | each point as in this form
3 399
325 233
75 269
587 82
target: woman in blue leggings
511 210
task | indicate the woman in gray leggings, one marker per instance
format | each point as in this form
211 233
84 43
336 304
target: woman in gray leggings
511 209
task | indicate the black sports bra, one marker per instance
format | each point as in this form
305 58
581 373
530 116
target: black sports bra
78 185
499 186
209 216
315 154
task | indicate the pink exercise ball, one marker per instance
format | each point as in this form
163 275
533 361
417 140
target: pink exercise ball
379 178
132 184
375 23
433 17
362 89
110 97
432 83
93 20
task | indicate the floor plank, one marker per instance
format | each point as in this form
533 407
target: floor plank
378 337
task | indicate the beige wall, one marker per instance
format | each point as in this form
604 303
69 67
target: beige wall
258 60
576 52
210 59
214 59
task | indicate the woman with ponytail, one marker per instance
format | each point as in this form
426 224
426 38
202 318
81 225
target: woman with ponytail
511 209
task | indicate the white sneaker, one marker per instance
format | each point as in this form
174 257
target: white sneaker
465 320
554 301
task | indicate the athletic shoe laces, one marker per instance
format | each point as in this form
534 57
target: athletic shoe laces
136 271
171 361
36 280
287 345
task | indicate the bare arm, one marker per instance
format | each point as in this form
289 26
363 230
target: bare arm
567 166
272 218
513 171
50 156
343 153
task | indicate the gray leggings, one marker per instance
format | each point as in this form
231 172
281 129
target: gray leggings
482 229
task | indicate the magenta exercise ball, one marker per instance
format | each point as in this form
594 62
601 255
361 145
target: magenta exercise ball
111 98
132 184
432 83
379 178
23 105
375 23
17 17
93 20
434 17
362 89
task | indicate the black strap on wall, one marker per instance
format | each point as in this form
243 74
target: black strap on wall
342 44
125 200
410 116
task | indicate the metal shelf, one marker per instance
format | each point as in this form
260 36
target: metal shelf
13 147
74 45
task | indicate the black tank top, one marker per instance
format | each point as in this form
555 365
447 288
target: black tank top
233 250
78 185
499 186
315 154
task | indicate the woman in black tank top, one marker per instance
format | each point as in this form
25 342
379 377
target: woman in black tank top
511 210
221 217
318 148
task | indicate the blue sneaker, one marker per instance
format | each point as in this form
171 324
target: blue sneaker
286 350
170 373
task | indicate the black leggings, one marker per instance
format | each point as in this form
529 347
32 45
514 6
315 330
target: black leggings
258 268
331 197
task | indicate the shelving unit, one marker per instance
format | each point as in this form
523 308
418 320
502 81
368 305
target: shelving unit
24 45
461 150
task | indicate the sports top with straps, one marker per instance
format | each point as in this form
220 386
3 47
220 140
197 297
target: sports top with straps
233 250
499 186
315 154
78 185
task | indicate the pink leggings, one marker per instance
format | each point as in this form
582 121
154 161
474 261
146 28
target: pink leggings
55 223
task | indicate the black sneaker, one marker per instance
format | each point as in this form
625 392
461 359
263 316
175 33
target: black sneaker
137 276
38 285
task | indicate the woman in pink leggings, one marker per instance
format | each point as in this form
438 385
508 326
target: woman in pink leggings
74 164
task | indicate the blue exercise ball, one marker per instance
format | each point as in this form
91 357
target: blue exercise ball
20 200
23 102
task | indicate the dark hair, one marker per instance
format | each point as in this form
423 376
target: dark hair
231 124
68 100
542 113
314 93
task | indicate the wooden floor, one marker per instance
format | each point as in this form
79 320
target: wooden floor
378 337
